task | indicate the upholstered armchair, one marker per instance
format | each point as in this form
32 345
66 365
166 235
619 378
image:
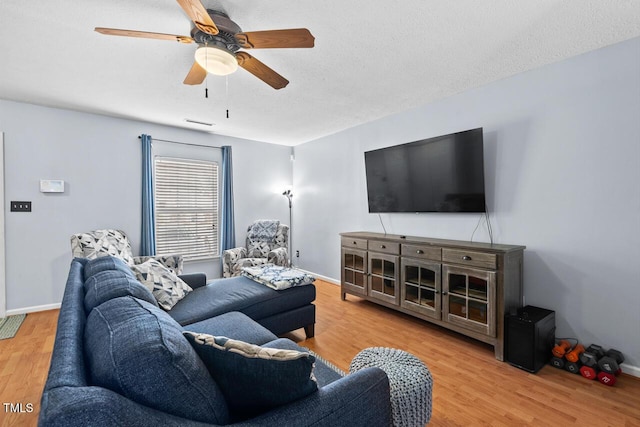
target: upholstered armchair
97 243
266 243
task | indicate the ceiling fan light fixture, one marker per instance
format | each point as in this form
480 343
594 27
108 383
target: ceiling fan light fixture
216 60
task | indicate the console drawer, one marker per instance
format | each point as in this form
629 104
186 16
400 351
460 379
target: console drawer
350 242
422 252
384 247
475 259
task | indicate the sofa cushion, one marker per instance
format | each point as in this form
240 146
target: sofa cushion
137 350
239 294
104 263
165 285
111 284
252 378
234 325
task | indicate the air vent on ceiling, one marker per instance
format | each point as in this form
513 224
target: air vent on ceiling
198 122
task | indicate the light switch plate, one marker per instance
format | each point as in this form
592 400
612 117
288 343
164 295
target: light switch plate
51 186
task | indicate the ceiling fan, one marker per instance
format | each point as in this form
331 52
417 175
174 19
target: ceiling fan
219 42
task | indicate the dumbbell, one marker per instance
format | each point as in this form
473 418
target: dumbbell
610 362
573 363
589 372
561 348
573 367
607 379
590 356
610 367
574 354
557 362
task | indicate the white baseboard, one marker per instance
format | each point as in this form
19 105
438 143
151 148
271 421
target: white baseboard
634 371
320 276
33 309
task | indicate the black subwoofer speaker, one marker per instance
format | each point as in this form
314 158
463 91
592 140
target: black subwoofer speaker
529 337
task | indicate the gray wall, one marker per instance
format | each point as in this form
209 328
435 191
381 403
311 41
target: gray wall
99 159
562 149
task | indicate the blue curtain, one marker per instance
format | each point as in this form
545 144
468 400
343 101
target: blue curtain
227 229
148 240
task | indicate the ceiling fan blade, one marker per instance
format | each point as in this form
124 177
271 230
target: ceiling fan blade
143 34
199 15
261 71
296 38
196 75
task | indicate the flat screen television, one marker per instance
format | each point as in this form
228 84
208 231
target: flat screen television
440 174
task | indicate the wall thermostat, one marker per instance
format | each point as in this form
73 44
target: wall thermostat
51 186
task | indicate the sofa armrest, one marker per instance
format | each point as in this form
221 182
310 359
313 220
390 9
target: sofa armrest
360 399
100 407
173 262
278 256
195 280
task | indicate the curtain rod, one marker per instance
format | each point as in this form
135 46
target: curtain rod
182 143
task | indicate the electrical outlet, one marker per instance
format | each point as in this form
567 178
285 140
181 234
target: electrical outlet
20 206
297 254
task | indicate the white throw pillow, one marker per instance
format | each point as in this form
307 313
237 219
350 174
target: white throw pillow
166 287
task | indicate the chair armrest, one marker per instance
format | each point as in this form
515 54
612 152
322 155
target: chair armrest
278 256
229 258
234 254
173 261
195 280
360 399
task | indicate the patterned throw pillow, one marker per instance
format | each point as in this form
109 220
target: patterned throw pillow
101 243
254 379
167 288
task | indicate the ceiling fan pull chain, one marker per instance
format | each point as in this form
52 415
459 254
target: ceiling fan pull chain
227 93
206 77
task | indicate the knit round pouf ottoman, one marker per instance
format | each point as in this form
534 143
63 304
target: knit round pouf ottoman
409 379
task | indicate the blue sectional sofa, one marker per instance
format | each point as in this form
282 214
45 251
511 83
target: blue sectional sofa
120 360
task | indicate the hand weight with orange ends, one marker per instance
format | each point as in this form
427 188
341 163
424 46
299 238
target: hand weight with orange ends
574 354
561 348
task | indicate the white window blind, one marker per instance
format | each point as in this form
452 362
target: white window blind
186 207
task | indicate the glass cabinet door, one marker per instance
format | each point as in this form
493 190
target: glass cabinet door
354 271
383 281
468 298
420 287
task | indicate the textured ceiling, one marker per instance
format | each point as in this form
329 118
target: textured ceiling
371 58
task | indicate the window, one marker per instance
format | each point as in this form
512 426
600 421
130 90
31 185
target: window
186 207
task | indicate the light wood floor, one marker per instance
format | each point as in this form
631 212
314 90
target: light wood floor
471 388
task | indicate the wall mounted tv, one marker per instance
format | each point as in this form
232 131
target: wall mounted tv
441 174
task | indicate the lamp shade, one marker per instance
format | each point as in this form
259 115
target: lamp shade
216 61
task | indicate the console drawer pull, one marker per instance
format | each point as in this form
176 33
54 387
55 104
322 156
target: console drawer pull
383 247
466 258
419 251
355 243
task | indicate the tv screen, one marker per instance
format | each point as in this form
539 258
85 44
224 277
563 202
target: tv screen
441 174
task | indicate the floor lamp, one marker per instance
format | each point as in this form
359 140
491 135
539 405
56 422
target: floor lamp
289 195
